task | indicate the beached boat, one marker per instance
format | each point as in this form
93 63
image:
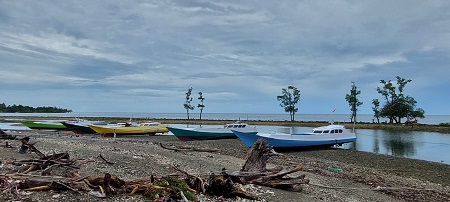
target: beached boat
143 128
45 125
80 126
321 136
189 134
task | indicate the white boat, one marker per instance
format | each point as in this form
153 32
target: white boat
188 134
324 135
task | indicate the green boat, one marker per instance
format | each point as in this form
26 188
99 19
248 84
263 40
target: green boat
44 125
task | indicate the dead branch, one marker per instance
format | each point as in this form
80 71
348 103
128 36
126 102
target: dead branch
104 160
181 148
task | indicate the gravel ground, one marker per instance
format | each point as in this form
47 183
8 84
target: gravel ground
365 176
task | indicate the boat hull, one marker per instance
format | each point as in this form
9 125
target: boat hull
47 126
291 141
192 134
79 129
129 130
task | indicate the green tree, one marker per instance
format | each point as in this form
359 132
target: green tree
27 109
353 101
200 105
2 107
397 104
418 113
187 103
376 109
289 99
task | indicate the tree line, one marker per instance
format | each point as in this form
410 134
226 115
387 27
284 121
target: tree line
396 106
27 109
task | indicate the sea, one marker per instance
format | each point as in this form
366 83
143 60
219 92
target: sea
337 118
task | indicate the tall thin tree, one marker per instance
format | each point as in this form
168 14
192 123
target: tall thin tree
376 109
200 105
353 101
187 104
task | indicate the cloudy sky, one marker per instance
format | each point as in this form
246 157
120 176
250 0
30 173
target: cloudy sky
142 56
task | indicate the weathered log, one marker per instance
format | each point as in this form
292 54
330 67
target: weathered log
222 185
106 185
31 183
281 174
196 183
100 181
257 156
254 170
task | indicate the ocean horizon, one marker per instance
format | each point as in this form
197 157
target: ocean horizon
337 118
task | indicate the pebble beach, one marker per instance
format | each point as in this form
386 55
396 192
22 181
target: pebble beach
362 176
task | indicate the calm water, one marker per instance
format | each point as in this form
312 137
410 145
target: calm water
428 146
429 119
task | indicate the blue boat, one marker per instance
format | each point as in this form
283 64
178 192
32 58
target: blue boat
321 136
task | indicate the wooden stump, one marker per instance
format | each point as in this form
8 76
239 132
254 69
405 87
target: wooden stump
254 170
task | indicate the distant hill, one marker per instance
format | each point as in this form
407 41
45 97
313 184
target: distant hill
27 109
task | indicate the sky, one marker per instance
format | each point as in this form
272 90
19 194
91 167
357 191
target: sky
143 56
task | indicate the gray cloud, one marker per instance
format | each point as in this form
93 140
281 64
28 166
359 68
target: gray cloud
239 53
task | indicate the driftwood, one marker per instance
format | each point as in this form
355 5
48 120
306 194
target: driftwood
253 171
7 137
106 161
181 148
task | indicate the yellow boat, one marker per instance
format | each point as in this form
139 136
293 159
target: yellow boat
143 128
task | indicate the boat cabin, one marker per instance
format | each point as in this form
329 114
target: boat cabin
328 129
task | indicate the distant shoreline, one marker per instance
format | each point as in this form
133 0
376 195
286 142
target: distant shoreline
358 125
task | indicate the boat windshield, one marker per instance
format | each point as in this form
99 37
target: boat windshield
235 126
